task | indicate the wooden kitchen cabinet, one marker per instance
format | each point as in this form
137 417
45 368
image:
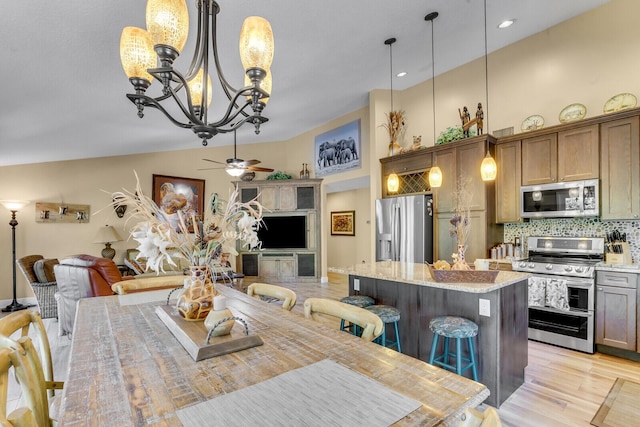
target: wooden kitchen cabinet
579 154
540 159
446 160
616 310
508 181
568 155
620 169
412 170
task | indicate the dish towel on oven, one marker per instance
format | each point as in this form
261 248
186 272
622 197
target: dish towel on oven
537 291
557 294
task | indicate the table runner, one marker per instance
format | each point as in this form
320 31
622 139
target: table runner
322 394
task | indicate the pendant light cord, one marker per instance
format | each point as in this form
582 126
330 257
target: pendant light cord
486 73
433 83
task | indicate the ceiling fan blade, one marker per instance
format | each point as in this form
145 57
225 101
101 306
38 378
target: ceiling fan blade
210 169
258 169
214 161
250 162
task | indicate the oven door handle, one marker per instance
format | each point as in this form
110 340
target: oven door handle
577 313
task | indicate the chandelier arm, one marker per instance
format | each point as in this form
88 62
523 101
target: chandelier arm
189 113
226 86
148 101
197 59
239 110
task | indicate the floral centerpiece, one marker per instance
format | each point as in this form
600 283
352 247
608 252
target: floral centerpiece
461 223
199 240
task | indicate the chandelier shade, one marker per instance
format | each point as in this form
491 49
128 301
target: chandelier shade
148 55
256 43
168 22
136 53
196 87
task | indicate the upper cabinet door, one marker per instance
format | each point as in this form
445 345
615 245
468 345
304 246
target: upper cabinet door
620 169
469 159
446 161
579 154
540 159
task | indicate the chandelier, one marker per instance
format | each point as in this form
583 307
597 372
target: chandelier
163 40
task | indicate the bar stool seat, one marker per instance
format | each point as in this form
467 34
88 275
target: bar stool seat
388 314
361 301
457 328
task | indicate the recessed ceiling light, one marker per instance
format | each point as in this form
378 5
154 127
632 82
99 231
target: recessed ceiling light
401 74
507 23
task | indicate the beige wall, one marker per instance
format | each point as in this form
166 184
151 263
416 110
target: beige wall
344 251
587 59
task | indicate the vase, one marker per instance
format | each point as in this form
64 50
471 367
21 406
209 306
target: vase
394 148
460 261
196 301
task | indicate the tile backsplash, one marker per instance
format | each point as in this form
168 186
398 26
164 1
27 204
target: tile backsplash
576 227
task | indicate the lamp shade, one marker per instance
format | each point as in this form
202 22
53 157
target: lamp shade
168 22
435 177
256 43
136 53
393 183
196 87
14 205
488 169
234 171
107 234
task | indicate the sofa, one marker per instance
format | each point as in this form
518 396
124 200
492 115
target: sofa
82 276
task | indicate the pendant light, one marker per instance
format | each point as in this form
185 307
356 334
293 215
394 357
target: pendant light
435 173
393 181
488 168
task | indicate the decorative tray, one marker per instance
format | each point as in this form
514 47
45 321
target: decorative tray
193 336
463 276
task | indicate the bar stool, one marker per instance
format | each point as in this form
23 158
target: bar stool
458 328
361 301
388 314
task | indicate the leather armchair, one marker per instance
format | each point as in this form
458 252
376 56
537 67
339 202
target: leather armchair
82 276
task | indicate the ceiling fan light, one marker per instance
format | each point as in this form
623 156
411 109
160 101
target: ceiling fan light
488 169
265 85
168 22
234 171
136 53
196 87
256 43
435 177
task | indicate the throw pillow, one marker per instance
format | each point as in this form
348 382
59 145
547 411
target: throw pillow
43 268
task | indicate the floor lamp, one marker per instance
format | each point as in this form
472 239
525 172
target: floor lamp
14 206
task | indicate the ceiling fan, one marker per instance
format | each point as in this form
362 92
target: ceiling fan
236 166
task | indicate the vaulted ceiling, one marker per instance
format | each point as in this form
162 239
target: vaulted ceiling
64 89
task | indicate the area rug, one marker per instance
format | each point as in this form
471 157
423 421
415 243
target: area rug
621 407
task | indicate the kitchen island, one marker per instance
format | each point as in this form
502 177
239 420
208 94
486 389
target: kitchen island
501 344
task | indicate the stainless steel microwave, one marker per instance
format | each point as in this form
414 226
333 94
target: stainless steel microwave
563 199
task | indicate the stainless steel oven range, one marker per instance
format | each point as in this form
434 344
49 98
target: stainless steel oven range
562 289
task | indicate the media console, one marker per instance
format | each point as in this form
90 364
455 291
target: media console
291 231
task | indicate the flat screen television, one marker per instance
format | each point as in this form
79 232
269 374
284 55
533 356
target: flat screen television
283 232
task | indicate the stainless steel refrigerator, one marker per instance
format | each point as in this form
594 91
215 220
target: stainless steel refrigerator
404 229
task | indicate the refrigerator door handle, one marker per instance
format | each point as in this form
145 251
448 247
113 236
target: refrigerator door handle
395 233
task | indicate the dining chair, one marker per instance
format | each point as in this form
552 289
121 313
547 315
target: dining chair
287 296
370 323
21 355
150 283
39 273
27 322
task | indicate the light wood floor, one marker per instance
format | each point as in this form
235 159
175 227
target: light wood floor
562 387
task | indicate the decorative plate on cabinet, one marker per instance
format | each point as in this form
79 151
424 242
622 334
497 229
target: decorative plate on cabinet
621 101
532 123
572 112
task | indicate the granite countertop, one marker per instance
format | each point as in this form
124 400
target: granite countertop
418 274
619 268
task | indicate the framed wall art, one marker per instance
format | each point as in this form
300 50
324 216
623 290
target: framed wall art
338 150
343 223
173 194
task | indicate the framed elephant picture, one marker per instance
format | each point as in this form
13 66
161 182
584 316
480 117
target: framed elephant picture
338 150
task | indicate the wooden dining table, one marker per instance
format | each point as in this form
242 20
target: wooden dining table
127 368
